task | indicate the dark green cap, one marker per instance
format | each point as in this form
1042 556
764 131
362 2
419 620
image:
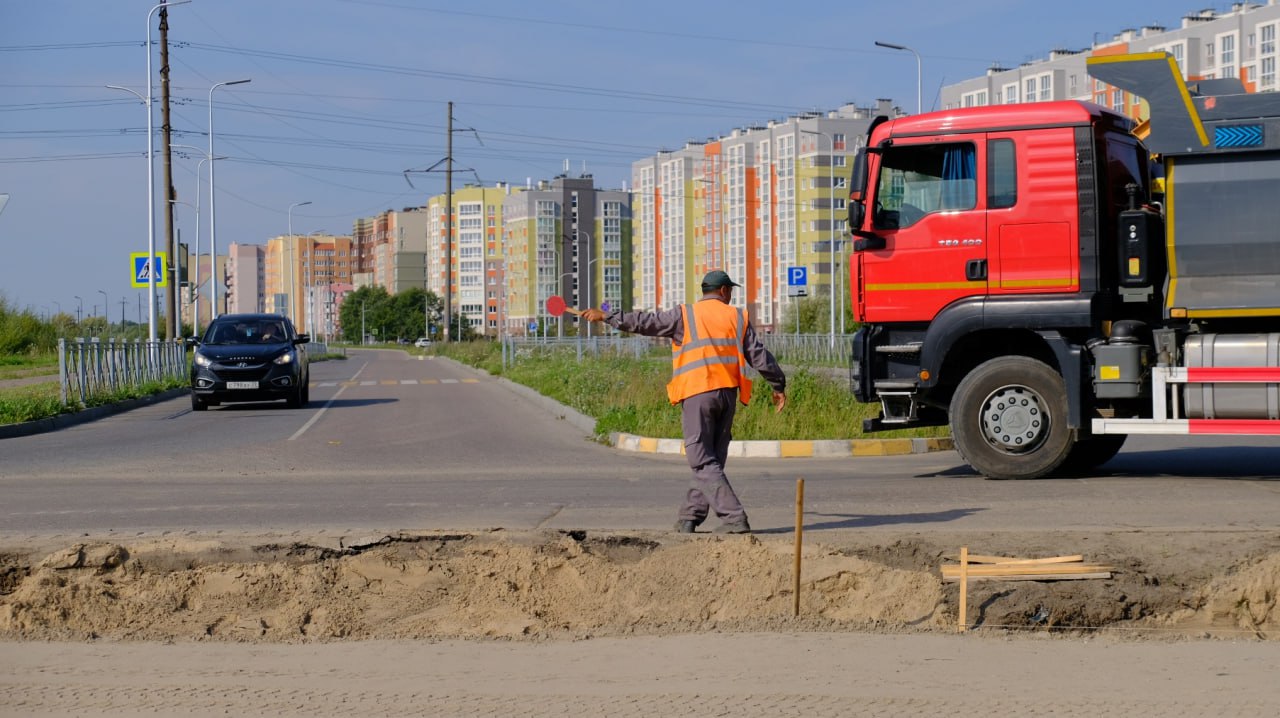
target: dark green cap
716 279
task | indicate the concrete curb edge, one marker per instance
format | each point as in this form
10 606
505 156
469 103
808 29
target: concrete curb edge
773 449
791 449
62 421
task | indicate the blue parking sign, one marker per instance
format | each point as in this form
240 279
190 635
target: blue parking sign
797 276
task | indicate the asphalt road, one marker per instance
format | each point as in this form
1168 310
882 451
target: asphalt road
393 442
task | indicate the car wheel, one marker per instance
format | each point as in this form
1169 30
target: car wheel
296 400
1009 419
306 391
198 404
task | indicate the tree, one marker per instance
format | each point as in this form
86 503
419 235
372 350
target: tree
815 316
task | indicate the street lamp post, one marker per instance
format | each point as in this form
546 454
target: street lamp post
151 192
292 303
106 305
891 46
79 310
213 214
195 293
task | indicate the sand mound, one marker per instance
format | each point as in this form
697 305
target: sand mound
448 586
1245 599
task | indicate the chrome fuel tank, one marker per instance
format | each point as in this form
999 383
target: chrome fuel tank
1232 401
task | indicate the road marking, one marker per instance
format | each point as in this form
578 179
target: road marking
448 381
326 406
388 382
368 383
408 381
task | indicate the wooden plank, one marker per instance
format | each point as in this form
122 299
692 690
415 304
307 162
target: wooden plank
1004 570
977 558
1033 577
964 587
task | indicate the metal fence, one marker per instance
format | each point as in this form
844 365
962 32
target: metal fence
819 349
93 366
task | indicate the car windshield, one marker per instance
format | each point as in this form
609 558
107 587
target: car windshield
267 331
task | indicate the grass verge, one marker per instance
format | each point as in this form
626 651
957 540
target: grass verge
626 394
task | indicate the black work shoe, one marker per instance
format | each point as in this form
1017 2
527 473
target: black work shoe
685 526
737 527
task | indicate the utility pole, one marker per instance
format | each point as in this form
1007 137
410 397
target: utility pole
170 305
448 224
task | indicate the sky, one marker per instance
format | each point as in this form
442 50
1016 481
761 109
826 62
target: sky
346 95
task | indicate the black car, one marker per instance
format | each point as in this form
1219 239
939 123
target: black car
250 357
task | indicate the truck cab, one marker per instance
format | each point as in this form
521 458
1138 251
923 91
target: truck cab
988 234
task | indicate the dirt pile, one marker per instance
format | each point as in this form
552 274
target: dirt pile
447 586
573 585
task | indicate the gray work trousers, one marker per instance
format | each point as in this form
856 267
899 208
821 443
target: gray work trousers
707 421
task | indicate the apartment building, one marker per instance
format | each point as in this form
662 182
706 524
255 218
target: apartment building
1239 44
245 280
564 237
472 267
297 268
756 203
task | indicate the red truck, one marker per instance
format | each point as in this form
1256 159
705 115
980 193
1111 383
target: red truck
1047 283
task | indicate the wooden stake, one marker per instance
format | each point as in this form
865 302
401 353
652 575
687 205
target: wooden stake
964 586
799 543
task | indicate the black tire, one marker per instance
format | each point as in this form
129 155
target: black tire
1092 452
198 404
1009 419
294 401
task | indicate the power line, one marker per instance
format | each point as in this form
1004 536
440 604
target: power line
493 80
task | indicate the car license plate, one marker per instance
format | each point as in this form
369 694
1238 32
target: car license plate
242 385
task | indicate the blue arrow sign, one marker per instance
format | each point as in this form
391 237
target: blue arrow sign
604 307
797 276
533 326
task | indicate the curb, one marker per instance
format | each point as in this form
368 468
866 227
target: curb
790 449
776 449
62 421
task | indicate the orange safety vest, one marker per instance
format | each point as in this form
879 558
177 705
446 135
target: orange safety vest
709 355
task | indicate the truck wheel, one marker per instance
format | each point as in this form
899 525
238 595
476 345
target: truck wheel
1009 419
1093 452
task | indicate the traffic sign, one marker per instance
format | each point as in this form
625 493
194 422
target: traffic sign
797 278
142 269
533 326
604 307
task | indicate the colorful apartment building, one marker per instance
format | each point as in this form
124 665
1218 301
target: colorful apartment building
297 270
1240 44
564 238
472 267
758 203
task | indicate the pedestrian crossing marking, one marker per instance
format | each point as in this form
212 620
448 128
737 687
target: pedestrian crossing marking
448 381
408 381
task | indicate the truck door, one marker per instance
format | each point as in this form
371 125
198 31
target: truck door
927 208
1032 211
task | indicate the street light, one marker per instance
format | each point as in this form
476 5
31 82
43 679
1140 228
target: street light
213 215
151 192
831 188
891 46
292 304
79 310
195 293
106 307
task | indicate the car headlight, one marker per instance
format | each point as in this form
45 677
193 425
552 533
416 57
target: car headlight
286 358
202 360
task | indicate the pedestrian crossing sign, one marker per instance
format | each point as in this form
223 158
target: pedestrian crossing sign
142 269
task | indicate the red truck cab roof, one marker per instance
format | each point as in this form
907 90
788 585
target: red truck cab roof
1003 117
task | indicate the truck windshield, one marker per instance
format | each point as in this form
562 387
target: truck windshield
916 180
